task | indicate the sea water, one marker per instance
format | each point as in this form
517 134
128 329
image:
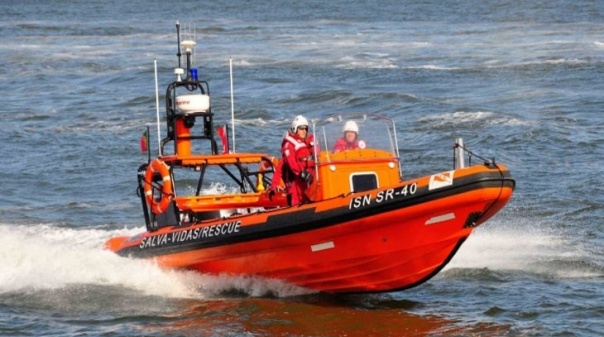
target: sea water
519 81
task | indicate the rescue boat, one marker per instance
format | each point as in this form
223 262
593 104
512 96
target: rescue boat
364 229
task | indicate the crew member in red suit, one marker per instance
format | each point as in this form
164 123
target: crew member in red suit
298 163
350 139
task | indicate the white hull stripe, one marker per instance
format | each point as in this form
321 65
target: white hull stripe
322 246
440 218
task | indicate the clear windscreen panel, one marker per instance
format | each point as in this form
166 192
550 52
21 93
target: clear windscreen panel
354 136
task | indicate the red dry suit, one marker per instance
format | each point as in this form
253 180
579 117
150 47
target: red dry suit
342 145
297 158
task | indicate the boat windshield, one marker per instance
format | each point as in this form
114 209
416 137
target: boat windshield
336 135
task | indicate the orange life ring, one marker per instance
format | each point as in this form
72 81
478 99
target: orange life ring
167 189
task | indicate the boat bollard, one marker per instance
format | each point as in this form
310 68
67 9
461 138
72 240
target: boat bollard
459 150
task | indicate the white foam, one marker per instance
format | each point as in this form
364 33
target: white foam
250 285
565 61
356 62
467 117
43 257
520 249
432 67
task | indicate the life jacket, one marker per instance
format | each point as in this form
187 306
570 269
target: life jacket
342 145
302 149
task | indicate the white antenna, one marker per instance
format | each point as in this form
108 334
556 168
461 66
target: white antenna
232 103
157 107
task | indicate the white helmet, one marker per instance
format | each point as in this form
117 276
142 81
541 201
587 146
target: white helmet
297 122
351 126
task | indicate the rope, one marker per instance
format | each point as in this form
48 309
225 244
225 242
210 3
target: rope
487 162
470 154
156 187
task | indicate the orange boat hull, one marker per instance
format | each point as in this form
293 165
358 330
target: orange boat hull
382 240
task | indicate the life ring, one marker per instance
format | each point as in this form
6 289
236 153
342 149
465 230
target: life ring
167 189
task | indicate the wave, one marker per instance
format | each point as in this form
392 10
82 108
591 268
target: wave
431 67
471 118
340 60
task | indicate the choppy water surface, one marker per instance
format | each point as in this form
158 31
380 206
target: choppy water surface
521 82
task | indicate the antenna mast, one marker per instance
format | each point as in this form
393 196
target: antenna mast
232 103
178 42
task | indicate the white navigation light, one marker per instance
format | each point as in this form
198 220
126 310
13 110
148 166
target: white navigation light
193 103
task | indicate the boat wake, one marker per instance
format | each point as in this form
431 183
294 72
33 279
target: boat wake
492 250
42 258
45 257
